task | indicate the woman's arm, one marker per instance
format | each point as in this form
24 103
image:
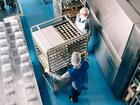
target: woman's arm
60 77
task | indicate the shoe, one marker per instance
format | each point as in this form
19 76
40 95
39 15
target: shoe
74 99
70 97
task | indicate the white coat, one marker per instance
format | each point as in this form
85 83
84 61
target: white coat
83 25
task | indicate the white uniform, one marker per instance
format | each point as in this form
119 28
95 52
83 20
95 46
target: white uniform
81 27
82 24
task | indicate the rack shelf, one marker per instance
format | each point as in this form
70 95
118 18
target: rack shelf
62 7
55 41
132 96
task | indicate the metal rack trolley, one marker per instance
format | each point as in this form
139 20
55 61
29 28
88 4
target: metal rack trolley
63 7
136 99
56 56
132 96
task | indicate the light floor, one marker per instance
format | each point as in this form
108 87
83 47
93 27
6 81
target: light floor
97 94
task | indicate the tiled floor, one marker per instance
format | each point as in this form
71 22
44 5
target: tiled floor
97 94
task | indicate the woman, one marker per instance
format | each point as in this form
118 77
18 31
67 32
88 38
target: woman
78 75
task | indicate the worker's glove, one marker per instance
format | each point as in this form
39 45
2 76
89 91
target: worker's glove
49 73
84 54
53 75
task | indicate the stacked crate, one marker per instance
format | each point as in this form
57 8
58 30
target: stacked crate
19 83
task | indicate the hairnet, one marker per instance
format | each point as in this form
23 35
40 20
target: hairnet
76 59
84 9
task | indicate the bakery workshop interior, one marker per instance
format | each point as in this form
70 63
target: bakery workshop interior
69 52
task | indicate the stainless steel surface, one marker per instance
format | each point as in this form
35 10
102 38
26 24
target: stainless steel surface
136 5
115 22
117 18
129 10
130 60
